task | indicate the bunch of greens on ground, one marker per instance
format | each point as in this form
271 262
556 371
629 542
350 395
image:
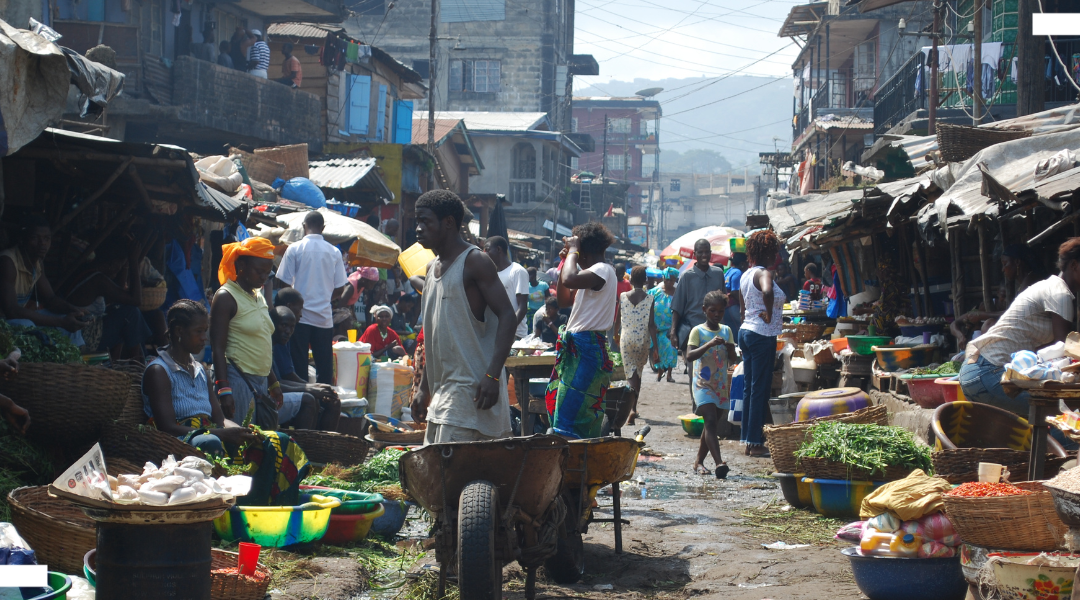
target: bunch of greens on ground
945 369
378 475
21 463
38 344
870 447
774 522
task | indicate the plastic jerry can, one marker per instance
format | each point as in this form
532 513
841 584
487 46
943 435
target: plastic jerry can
906 545
876 543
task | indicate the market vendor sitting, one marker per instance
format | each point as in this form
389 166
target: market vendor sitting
306 405
176 393
123 329
384 341
26 296
1041 315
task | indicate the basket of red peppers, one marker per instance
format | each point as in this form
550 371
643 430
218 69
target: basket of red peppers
1004 515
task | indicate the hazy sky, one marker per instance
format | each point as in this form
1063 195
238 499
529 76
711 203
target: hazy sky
659 39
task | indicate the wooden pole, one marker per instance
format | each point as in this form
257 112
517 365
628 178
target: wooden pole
976 85
90 200
956 245
984 267
931 104
925 276
79 155
1030 52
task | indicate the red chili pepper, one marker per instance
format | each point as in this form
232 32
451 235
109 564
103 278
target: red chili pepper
978 489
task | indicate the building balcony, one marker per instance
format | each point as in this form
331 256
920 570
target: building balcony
831 104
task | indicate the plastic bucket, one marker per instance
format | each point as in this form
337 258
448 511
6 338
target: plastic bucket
783 410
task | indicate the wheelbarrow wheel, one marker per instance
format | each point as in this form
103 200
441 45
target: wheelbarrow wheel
568 564
479 573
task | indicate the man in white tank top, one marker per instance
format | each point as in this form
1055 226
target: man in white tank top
469 326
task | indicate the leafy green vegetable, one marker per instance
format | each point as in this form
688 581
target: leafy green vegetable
21 463
870 447
945 369
38 344
380 471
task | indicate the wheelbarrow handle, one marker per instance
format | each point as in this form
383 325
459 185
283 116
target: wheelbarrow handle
641 433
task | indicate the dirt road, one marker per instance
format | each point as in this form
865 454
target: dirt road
689 536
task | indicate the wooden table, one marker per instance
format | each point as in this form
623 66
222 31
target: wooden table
524 368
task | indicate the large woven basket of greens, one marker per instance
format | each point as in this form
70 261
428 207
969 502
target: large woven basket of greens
862 452
784 440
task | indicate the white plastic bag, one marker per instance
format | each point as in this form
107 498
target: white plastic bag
220 173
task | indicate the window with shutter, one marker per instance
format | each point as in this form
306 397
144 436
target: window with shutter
380 116
403 110
359 98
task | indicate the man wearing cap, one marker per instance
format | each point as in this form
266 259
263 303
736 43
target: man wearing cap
258 56
314 267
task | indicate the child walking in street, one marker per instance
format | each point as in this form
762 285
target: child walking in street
710 348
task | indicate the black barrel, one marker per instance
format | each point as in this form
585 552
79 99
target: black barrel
162 562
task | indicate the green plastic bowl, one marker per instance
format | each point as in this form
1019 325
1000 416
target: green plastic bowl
59 585
864 344
693 425
277 526
352 503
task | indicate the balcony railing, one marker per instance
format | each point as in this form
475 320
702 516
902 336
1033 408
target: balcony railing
820 99
899 96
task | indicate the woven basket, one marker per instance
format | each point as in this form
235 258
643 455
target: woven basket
1011 522
962 464
823 468
328 447
415 437
140 445
784 440
56 529
235 587
132 413
960 142
804 332
294 158
119 466
68 404
153 298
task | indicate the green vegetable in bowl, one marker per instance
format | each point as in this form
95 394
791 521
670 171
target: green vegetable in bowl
870 447
947 369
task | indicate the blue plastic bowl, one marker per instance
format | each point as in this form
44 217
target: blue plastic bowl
392 520
883 578
839 498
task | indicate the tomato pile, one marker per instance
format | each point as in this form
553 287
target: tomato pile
978 489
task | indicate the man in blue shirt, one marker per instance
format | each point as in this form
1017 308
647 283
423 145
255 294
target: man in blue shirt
733 314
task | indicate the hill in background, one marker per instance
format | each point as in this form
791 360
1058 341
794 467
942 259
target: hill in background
736 117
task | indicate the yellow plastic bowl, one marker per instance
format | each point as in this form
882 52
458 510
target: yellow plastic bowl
277 526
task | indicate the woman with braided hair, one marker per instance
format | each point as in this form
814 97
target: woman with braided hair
762 322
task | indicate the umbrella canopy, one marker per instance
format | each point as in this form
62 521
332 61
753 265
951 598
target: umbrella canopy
497 224
374 248
718 237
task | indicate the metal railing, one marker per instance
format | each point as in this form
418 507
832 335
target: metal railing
897 97
820 99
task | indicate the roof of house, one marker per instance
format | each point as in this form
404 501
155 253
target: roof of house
803 19
497 121
453 130
319 31
443 127
345 172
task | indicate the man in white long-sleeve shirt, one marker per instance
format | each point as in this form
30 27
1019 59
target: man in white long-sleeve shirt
314 267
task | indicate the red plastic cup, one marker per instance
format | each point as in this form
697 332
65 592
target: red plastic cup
249 558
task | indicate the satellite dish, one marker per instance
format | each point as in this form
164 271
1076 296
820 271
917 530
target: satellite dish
649 92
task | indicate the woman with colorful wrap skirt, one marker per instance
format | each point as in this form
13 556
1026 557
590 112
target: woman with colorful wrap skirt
579 381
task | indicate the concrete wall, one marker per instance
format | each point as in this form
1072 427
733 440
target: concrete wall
228 100
17 13
534 38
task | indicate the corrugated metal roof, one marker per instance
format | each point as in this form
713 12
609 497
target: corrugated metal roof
347 172
786 212
303 30
823 122
496 121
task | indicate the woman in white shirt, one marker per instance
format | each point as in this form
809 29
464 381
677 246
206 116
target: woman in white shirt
575 395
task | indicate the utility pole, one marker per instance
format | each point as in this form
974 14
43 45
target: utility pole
931 107
432 71
1030 94
976 86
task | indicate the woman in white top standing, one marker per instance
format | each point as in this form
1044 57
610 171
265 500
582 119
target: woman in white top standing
579 381
762 321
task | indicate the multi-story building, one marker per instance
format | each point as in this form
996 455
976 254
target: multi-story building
683 202
492 55
624 132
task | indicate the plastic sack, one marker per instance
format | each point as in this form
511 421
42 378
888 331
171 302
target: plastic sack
352 365
13 549
936 550
302 190
852 532
81 589
389 389
886 523
219 173
737 387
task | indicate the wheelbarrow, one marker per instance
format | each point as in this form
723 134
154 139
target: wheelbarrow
592 464
493 502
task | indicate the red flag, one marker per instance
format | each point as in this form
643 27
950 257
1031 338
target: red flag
610 211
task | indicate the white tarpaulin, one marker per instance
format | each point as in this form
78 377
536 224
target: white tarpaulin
375 247
35 77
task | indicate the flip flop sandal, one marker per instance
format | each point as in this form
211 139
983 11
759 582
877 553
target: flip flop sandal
722 471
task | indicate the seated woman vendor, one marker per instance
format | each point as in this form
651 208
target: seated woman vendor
123 329
384 341
1041 315
26 296
176 393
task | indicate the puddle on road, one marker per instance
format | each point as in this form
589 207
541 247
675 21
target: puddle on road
656 486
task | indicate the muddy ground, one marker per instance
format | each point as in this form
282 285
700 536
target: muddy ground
689 535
